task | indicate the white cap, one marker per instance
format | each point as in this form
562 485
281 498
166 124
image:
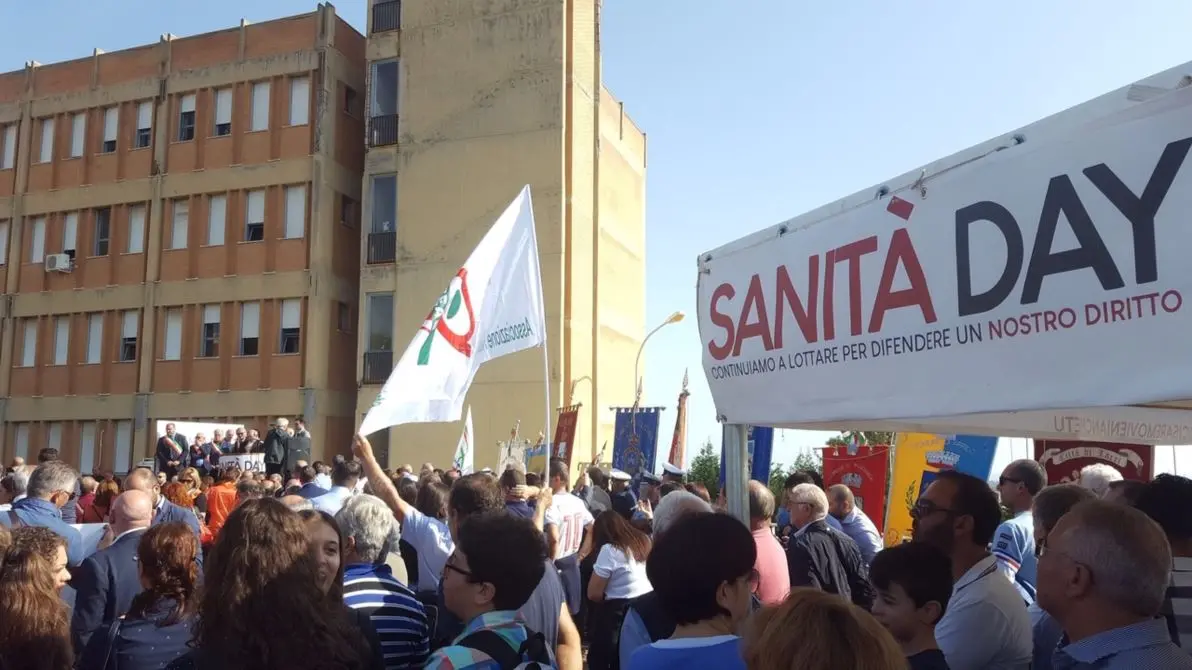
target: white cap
619 475
673 470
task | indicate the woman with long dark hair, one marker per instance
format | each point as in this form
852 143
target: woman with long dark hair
97 510
156 629
34 622
262 606
618 576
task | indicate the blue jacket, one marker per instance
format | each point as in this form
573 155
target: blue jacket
106 583
141 643
168 511
310 491
43 514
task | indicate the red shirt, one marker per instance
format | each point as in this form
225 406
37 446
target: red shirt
774 578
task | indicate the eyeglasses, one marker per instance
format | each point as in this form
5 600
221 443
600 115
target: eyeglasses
1002 481
466 574
925 508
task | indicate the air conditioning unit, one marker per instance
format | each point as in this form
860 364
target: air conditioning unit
58 263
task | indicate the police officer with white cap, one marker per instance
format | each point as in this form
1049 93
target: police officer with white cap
673 473
624 502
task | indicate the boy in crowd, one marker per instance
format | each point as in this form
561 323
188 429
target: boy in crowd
914 583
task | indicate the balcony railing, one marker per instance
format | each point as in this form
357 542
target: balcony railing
377 366
386 16
382 130
382 248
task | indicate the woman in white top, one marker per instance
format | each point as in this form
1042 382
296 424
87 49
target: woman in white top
618 576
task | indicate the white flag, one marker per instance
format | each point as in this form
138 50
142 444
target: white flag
491 308
464 460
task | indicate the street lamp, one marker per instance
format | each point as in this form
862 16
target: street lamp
675 317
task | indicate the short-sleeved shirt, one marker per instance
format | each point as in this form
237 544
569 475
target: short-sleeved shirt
572 517
1014 548
431 538
1141 646
626 576
986 626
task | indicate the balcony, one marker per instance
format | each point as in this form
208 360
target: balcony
382 130
377 366
382 248
386 16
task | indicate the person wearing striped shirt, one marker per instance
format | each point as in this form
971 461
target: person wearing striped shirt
369 585
1167 500
1014 540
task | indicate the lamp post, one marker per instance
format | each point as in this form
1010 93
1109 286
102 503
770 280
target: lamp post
675 317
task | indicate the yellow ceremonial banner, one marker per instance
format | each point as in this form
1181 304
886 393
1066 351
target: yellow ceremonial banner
917 459
906 474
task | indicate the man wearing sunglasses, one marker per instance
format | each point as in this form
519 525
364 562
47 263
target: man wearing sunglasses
1014 540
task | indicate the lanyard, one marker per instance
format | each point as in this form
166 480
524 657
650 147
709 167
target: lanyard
984 573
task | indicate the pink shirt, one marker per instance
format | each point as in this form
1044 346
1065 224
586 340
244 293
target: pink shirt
774 577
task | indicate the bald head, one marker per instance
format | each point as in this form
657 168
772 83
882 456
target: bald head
141 479
761 503
841 501
132 509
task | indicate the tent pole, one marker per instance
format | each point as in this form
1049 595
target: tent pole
736 446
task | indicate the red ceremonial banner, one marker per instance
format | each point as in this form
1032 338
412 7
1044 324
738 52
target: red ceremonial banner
866 473
1063 460
562 445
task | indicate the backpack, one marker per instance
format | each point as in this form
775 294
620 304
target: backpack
495 647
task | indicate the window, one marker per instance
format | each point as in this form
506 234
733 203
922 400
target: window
111 123
384 203
299 101
61 340
254 217
291 326
128 336
54 439
171 349
8 157
144 125
87 448
29 346
217 219
94 337
351 101
103 231
47 140
295 212
380 321
260 106
22 440
343 317
78 134
186 118
347 211
223 112
180 229
209 347
4 243
250 328
384 89
122 463
136 229
70 232
37 240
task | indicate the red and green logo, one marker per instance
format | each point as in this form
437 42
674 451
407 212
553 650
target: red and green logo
456 300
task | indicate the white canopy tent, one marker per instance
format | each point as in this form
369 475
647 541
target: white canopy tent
1030 286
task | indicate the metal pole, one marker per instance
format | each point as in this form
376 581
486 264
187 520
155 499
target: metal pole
736 479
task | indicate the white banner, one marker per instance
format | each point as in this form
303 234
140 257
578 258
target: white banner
1047 276
491 308
465 458
254 462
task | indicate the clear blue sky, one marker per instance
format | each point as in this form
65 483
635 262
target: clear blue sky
758 110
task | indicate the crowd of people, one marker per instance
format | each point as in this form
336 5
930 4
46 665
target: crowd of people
349 565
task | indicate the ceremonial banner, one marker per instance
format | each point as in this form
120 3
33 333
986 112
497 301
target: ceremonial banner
564 443
917 459
536 456
491 308
465 453
760 449
678 449
865 470
1063 460
635 439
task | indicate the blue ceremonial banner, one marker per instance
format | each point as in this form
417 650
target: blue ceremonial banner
761 453
635 439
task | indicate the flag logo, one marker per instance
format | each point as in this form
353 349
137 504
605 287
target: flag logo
443 315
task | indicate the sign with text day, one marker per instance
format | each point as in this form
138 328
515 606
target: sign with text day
1030 279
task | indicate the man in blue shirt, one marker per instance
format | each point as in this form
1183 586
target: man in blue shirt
1014 540
842 506
50 488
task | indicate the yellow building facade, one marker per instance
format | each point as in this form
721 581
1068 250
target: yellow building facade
467 102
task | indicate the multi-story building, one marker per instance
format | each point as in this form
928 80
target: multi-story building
178 238
467 102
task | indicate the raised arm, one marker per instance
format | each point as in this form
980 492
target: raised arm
382 487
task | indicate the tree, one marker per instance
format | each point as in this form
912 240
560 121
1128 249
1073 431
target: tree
779 473
705 468
871 437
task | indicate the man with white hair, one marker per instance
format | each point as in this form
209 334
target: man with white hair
821 557
1103 574
645 621
1098 476
276 446
51 487
369 585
